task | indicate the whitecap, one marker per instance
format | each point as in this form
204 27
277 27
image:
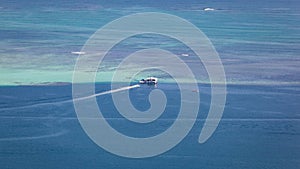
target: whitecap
78 53
57 134
208 9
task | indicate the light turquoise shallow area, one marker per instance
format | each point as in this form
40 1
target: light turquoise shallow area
258 44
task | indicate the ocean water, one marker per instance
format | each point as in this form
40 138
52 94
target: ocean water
258 43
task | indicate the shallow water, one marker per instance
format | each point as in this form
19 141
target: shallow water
257 41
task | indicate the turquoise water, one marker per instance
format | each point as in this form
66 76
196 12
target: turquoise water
258 43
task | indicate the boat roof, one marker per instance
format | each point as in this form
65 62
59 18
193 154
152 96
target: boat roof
151 78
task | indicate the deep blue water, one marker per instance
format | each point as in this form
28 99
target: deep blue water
259 129
258 42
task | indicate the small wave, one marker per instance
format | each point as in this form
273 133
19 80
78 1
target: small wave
263 83
35 137
37 84
36 105
252 83
179 156
277 9
51 84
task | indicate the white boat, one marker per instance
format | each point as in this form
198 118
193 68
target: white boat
149 80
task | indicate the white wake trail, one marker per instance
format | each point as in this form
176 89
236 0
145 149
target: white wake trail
108 92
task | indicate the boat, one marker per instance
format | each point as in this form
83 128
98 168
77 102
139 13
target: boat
149 80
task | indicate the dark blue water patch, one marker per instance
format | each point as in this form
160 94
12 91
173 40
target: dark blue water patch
139 99
262 102
244 138
235 144
14 96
